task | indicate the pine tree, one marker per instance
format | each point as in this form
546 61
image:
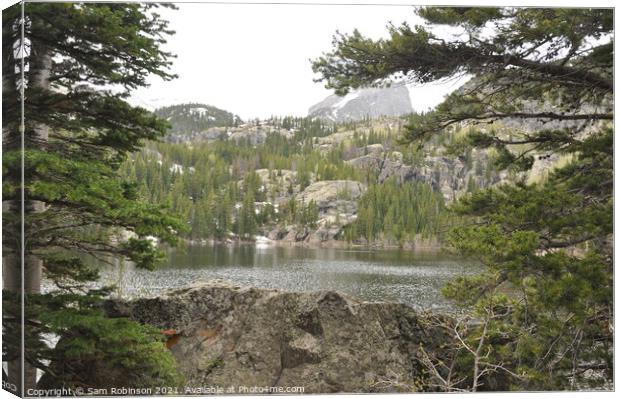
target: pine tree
76 135
246 220
550 242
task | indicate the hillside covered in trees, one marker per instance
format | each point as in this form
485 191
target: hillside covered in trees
187 120
305 180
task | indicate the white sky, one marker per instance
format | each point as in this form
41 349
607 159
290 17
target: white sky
253 60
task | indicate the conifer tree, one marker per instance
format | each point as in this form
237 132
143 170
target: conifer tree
548 243
81 60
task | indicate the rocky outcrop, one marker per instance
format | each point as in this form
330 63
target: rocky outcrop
256 134
449 175
384 127
253 133
330 195
324 341
281 184
336 201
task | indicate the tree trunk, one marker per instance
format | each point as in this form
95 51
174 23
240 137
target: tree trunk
40 63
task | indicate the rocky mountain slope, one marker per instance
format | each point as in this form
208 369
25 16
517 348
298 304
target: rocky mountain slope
447 174
223 335
254 133
364 103
309 181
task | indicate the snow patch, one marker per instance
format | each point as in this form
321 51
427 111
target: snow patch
200 111
346 99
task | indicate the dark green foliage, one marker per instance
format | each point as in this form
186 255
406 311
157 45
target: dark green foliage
521 237
398 212
245 222
543 310
104 200
77 54
95 350
419 54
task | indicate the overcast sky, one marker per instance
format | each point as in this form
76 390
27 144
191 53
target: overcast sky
253 60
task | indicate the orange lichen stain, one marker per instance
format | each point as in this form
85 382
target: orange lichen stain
173 337
173 341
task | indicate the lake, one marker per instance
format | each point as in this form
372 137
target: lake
413 278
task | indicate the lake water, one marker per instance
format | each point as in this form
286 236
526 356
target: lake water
410 277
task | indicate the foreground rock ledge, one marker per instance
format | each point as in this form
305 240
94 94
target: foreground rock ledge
324 341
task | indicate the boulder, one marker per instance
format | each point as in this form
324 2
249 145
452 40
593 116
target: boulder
324 341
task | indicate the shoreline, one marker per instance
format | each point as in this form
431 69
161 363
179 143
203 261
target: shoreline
431 246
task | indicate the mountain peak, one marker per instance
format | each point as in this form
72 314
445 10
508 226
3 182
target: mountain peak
368 102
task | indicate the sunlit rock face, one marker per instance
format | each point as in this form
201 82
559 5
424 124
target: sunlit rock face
323 341
360 104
